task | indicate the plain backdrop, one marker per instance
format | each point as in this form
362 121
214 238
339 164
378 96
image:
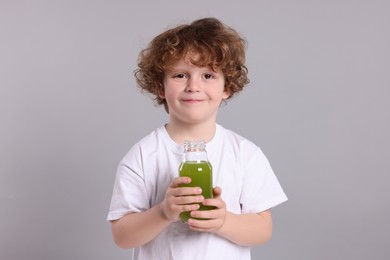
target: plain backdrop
318 106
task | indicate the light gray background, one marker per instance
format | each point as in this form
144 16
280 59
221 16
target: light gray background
318 105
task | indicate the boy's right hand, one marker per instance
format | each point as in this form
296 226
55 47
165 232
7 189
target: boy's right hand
180 199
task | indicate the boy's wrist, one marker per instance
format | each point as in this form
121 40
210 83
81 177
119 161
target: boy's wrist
220 231
162 213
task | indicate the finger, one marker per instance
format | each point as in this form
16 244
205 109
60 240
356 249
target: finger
216 202
207 214
203 225
180 180
188 207
182 200
186 191
217 191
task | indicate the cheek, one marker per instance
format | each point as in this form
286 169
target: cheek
169 90
221 93
168 94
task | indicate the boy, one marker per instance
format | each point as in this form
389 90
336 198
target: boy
191 69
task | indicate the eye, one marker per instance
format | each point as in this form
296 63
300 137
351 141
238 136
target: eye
208 76
179 76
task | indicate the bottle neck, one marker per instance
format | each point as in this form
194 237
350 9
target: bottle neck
195 156
195 151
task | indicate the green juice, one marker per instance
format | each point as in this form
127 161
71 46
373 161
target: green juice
201 176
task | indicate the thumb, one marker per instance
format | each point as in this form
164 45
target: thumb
217 192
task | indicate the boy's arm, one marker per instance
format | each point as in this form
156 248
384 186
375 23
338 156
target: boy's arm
246 229
136 229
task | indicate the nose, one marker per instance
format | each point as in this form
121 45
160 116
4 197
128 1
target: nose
193 85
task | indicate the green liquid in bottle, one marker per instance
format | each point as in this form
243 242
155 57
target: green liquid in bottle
201 176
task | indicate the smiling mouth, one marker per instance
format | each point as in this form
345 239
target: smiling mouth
192 100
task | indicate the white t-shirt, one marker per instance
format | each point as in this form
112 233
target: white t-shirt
239 167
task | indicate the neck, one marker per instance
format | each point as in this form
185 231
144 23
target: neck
181 132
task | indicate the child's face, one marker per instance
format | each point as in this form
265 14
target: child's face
193 93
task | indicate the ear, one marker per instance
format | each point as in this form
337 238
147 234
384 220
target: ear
226 94
161 93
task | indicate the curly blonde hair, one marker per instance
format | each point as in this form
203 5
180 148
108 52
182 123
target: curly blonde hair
207 42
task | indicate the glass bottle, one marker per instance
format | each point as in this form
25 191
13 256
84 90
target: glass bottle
196 166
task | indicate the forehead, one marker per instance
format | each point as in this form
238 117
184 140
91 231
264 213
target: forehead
192 60
183 65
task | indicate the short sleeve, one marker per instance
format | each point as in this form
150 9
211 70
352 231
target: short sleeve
261 190
129 193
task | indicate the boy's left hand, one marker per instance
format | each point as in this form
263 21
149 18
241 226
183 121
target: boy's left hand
209 220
